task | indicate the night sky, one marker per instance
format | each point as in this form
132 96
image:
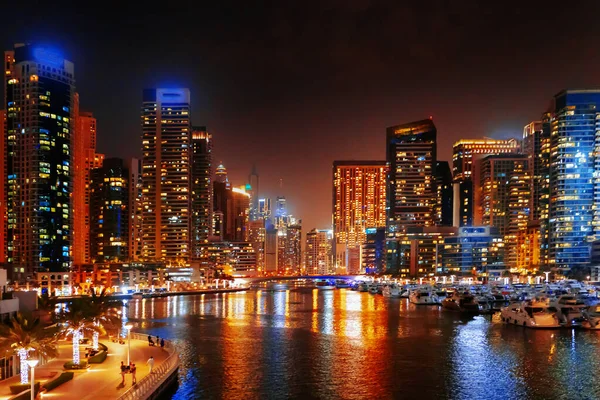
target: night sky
294 87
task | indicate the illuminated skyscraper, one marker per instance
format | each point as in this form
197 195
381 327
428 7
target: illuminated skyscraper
264 208
505 198
256 237
84 160
166 175
135 209
466 154
254 194
3 219
221 174
110 216
319 252
444 196
574 211
411 191
39 95
237 223
202 204
359 198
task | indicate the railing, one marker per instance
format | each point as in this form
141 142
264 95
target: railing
146 387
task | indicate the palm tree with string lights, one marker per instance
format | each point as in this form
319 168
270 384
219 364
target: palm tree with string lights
25 336
103 313
78 321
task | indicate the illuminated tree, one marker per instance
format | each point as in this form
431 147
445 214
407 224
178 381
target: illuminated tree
78 321
103 313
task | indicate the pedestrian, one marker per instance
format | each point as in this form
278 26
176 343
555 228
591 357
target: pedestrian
123 372
150 363
162 343
157 340
133 378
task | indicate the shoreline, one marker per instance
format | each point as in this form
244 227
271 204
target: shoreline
129 296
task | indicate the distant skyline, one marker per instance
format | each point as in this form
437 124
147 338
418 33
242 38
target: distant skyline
293 87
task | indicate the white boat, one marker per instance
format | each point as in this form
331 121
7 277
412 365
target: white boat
461 301
391 290
591 318
441 295
568 309
530 314
324 285
276 286
423 297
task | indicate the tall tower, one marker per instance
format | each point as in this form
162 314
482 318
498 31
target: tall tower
574 211
136 213
3 219
254 193
444 196
359 198
318 254
110 222
166 174
202 206
39 95
84 160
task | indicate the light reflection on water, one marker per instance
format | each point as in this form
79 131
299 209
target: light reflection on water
341 344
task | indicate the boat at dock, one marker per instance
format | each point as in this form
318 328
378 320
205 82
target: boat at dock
463 302
530 314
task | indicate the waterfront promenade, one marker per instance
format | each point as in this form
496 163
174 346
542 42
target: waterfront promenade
101 381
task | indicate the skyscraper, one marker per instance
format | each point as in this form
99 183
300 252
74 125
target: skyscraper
135 209
166 174
3 219
444 195
254 194
84 160
505 200
574 211
411 192
319 252
202 204
110 216
264 209
39 105
359 198
466 154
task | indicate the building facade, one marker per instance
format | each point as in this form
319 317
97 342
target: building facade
201 190
136 211
319 252
444 194
166 175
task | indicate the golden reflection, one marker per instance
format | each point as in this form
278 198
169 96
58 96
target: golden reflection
314 326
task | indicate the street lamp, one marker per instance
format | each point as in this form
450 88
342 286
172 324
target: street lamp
32 364
128 327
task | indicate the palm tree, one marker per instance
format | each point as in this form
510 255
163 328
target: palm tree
103 313
78 322
25 334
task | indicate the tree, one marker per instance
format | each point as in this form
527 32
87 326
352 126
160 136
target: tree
103 313
78 321
24 335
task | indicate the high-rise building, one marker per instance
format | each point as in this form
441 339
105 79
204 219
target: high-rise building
271 249
39 101
257 237
254 194
3 219
359 201
84 160
418 250
280 207
505 199
466 154
319 252
110 213
411 191
445 193
574 211
234 259
221 174
373 251
264 209
166 175
202 204
237 222
136 213
293 249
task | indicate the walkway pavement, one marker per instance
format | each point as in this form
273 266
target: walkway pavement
100 381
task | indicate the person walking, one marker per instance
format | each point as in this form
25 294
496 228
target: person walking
133 370
123 372
162 343
150 363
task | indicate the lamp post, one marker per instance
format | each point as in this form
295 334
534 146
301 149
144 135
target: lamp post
128 327
32 364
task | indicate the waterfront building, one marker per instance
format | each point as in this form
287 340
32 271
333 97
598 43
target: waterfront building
373 252
253 190
136 211
39 100
109 211
257 236
505 199
85 159
444 194
465 157
359 201
166 175
528 249
574 210
319 252
291 258
236 259
475 251
418 250
271 249
3 198
411 192
237 224
201 189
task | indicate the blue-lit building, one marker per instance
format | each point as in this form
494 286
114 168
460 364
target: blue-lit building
574 215
39 101
373 251
109 209
477 250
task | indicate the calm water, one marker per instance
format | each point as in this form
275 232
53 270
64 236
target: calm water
348 345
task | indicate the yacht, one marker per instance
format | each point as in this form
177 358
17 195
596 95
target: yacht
441 295
374 288
276 286
324 285
391 290
461 301
591 318
568 309
423 296
530 314
342 284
